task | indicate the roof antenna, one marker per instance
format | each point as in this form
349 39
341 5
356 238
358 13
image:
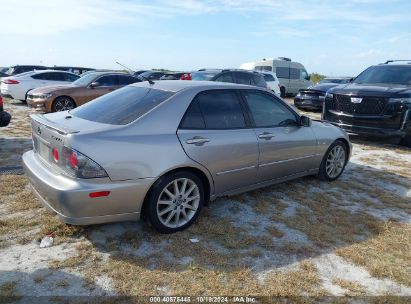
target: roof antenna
125 67
147 79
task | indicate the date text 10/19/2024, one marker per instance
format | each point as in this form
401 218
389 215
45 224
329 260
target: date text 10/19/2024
203 299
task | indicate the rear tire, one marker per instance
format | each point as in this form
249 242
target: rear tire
175 201
282 92
406 141
63 103
334 162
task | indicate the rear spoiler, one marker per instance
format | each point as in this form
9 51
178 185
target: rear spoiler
51 124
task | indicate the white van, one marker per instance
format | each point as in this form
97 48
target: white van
292 75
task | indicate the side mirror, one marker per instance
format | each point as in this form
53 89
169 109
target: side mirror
305 121
94 84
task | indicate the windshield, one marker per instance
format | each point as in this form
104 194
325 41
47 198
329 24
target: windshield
386 74
203 75
85 80
122 106
334 80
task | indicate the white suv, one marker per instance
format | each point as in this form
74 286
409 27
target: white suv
272 81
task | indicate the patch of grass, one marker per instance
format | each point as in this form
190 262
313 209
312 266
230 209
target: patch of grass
387 255
303 281
326 225
353 288
84 254
8 289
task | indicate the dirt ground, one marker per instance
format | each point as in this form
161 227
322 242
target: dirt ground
305 237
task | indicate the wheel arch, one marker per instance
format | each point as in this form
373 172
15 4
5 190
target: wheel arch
207 183
347 145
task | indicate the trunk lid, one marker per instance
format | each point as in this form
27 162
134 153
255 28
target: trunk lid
56 130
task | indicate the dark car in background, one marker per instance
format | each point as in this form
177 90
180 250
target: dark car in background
232 76
151 75
4 116
18 69
312 98
377 102
173 76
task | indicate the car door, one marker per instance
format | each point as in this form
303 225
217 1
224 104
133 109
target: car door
215 133
286 147
105 84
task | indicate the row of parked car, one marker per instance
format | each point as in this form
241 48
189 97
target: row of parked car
377 102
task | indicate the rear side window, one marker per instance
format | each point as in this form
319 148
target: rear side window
193 119
244 78
125 79
221 110
264 68
206 75
268 77
259 81
283 72
225 77
121 106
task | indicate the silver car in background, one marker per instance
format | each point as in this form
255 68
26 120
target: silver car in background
163 149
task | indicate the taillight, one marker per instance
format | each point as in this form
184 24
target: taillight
56 155
10 81
185 76
1 101
77 164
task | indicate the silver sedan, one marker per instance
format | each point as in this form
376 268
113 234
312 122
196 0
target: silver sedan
164 149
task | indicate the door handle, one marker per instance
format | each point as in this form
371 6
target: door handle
197 140
266 135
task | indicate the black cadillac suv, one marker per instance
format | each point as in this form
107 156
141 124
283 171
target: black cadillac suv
377 102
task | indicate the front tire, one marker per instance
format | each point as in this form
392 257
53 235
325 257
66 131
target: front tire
282 92
334 161
406 141
63 103
175 201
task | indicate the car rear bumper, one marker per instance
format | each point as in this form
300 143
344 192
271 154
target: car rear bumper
70 199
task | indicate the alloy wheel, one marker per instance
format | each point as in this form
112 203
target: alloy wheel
335 161
178 202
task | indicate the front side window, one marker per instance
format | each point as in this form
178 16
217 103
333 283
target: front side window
121 106
267 111
220 109
304 75
107 81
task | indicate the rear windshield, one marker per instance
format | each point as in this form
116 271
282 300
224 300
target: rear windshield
206 75
121 106
386 74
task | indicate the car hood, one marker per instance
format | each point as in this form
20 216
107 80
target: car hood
362 89
323 87
52 89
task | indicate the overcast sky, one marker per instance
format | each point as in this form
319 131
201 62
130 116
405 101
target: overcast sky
329 37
